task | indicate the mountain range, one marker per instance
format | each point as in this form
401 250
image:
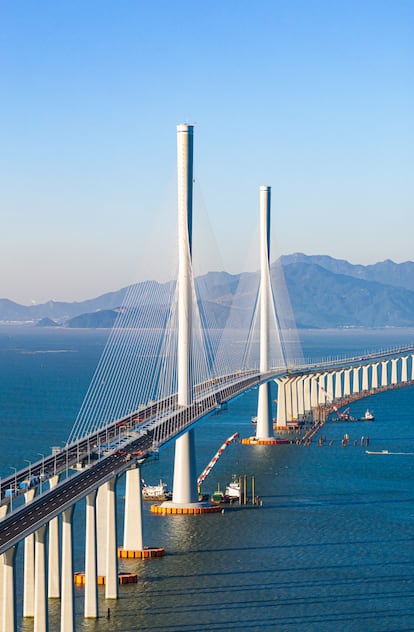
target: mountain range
324 292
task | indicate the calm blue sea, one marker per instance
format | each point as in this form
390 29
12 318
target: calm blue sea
331 548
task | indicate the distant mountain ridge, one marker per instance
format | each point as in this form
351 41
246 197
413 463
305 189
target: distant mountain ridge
324 293
386 272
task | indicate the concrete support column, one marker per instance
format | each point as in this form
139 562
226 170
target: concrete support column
294 392
338 384
111 574
314 391
29 566
1 590
384 375
329 387
264 426
101 522
3 512
365 381
301 395
394 373
67 609
307 393
288 400
355 381
374 376
54 550
133 533
91 579
185 472
347 382
40 589
404 372
281 419
321 389
8 609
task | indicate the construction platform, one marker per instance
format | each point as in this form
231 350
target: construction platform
184 510
123 578
271 441
147 553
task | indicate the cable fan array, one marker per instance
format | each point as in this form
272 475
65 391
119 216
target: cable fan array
138 366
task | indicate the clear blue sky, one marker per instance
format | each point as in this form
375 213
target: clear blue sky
314 98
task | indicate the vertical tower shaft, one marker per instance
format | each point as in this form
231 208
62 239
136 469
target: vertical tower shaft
185 475
264 276
185 217
264 428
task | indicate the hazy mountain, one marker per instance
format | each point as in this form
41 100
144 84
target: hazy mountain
324 292
386 272
321 298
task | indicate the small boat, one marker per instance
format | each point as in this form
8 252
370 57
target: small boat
233 488
369 416
219 496
380 452
156 492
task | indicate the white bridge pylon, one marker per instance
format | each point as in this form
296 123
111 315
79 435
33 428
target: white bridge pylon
264 427
185 492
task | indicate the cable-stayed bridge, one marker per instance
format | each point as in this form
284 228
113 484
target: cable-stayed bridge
153 384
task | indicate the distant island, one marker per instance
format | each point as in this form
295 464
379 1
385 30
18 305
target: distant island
324 293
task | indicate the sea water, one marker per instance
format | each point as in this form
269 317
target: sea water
331 547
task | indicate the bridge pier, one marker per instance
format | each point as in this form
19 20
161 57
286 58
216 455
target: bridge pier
306 394
281 403
355 385
67 607
329 386
374 375
321 389
8 618
133 533
133 546
394 377
338 384
301 396
384 373
404 373
54 550
295 397
29 566
40 582
185 472
111 574
314 391
347 382
101 528
91 564
365 380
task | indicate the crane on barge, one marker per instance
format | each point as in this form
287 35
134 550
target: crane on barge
214 460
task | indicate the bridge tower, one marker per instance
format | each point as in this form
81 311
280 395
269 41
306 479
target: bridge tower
185 475
264 427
